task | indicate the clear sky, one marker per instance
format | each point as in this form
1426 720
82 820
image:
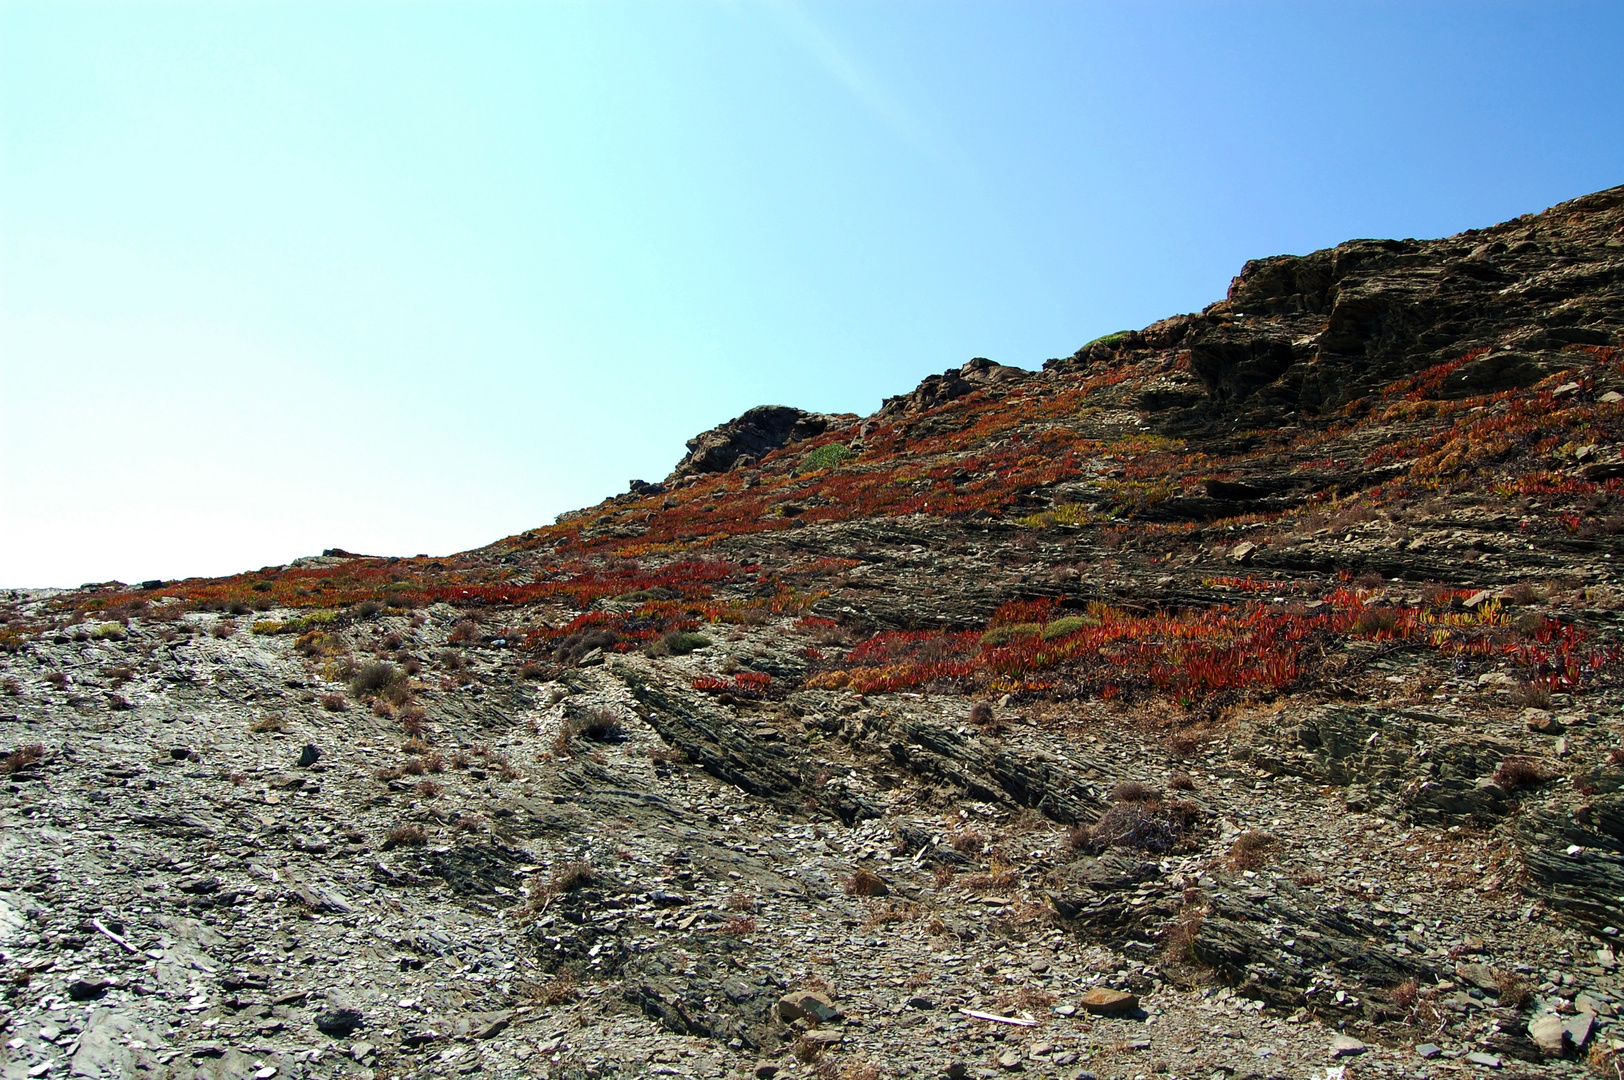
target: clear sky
404 278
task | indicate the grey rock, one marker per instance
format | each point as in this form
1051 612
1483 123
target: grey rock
1347 1046
339 1023
1549 1033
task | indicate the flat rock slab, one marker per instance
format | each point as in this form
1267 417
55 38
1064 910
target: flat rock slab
1347 1046
1105 1002
806 1004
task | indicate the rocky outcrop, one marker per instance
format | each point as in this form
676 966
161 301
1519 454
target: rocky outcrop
955 383
992 773
1317 331
718 743
748 437
1275 944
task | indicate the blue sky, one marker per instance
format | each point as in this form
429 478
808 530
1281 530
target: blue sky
406 278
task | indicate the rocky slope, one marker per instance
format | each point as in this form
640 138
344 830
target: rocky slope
1238 696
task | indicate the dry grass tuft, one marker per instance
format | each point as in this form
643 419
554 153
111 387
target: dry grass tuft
572 876
596 725
1132 791
563 988
968 842
1519 772
1250 849
1515 993
22 759
405 836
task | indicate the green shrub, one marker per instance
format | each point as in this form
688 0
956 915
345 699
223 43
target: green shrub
1002 635
678 643
1110 341
826 457
1068 625
315 620
381 678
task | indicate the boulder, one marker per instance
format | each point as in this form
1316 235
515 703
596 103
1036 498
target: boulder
751 436
806 1005
1103 1001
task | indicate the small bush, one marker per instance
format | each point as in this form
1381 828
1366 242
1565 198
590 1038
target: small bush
1373 622
998 876
968 842
1407 994
1181 782
428 789
678 643
563 988
1519 772
826 457
1028 997
1132 791
366 609
596 725
572 876
1178 941
1129 825
334 703
374 677
739 926
315 643
405 836
533 670
573 648
1515 993
22 759
1531 696
1071 624
1002 635
464 631
1185 744
223 628
1250 850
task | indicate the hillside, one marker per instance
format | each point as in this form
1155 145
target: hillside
1238 695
